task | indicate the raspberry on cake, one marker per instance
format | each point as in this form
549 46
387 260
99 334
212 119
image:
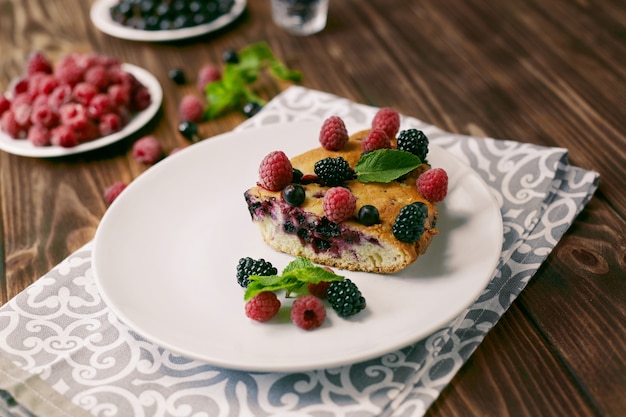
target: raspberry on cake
346 220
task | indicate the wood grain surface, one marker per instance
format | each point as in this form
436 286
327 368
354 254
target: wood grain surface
551 73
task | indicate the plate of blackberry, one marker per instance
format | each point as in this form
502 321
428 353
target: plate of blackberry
193 19
24 147
186 225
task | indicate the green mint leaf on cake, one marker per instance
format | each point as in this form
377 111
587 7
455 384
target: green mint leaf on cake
293 280
385 165
234 90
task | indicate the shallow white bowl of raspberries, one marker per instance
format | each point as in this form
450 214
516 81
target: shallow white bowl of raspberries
80 103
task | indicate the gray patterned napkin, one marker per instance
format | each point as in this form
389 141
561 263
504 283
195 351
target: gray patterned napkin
63 353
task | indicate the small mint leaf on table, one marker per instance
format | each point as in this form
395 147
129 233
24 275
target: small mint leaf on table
385 165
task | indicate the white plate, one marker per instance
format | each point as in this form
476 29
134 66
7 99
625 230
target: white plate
23 147
101 18
166 251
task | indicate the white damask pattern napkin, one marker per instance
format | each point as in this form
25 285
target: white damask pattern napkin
63 353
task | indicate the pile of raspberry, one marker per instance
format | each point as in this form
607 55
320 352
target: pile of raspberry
80 98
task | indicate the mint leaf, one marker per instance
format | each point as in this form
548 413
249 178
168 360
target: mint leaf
294 279
385 165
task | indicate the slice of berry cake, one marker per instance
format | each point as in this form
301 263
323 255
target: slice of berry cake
353 203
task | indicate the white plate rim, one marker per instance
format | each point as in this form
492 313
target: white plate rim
101 18
23 147
101 248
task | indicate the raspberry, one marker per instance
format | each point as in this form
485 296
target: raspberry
109 123
275 171
100 104
10 126
37 62
120 94
73 115
98 76
191 109
59 96
89 132
5 104
20 87
345 298
433 184
147 150
248 266
308 312
33 83
333 171
338 204
319 290
84 92
388 120
23 98
112 191
39 135
414 141
207 74
42 115
263 306
141 99
68 71
377 139
409 223
333 135
63 136
22 114
47 84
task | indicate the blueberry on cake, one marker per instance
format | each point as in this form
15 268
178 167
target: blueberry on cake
365 202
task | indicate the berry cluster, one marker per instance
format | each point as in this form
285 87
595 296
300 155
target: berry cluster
308 310
168 15
81 98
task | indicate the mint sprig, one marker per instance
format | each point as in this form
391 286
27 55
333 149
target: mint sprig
233 90
293 280
385 165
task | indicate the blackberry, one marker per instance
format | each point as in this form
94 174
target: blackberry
414 141
345 298
333 171
409 224
248 266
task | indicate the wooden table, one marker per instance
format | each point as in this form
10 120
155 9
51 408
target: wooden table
550 73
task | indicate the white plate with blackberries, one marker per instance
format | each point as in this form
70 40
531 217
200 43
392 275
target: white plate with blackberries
159 21
104 103
167 250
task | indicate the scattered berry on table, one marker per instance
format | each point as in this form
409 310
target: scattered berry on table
230 56
189 130
308 312
147 150
388 120
433 184
376 139
177 75
338 204
191 108
409 223
294 194
333 171
275 171
251 108
319 290
263 306
207 74
248 266
414 141
333 134
345 298
368 215
114 190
